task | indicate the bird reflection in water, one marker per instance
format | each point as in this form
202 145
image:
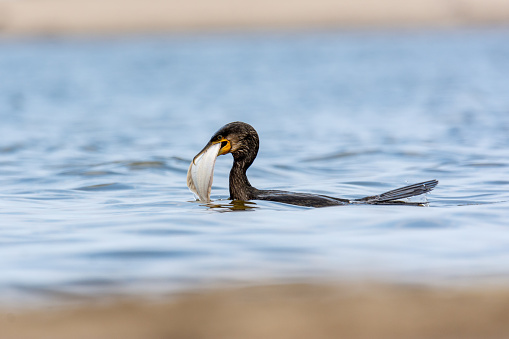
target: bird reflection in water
232 206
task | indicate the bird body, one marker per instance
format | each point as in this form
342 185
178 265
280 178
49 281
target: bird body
241 140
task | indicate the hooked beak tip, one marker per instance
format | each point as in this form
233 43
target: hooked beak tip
201 152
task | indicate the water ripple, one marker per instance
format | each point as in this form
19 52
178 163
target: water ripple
94 154
142 254
114 186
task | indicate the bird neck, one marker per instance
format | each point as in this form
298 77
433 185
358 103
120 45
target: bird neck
240 188
243 157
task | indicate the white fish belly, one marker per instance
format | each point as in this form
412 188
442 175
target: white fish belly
201 173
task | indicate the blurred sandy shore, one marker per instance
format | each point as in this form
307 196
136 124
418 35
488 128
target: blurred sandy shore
282 312
31 17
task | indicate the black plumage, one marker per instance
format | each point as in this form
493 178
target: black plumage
241 140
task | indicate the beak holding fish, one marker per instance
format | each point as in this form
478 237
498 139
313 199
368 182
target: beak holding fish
201 171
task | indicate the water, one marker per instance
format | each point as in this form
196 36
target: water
97 136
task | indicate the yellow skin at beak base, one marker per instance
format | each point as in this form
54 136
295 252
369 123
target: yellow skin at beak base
226 148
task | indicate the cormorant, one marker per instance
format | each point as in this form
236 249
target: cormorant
241 140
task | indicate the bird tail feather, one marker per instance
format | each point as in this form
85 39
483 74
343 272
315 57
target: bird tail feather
391 197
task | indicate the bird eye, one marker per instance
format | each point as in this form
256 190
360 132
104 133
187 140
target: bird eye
219 137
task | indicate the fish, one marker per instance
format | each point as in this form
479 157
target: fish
201 172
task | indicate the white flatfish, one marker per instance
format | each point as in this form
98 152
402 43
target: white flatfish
201 173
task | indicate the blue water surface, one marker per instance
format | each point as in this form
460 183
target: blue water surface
96 136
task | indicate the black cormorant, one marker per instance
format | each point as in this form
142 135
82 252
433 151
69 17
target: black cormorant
241 140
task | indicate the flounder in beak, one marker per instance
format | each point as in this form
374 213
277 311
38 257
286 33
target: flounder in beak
201 172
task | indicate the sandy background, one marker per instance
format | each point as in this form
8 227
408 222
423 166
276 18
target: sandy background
281 312
125 16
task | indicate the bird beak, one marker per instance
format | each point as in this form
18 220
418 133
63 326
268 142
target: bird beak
201 171
224 149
